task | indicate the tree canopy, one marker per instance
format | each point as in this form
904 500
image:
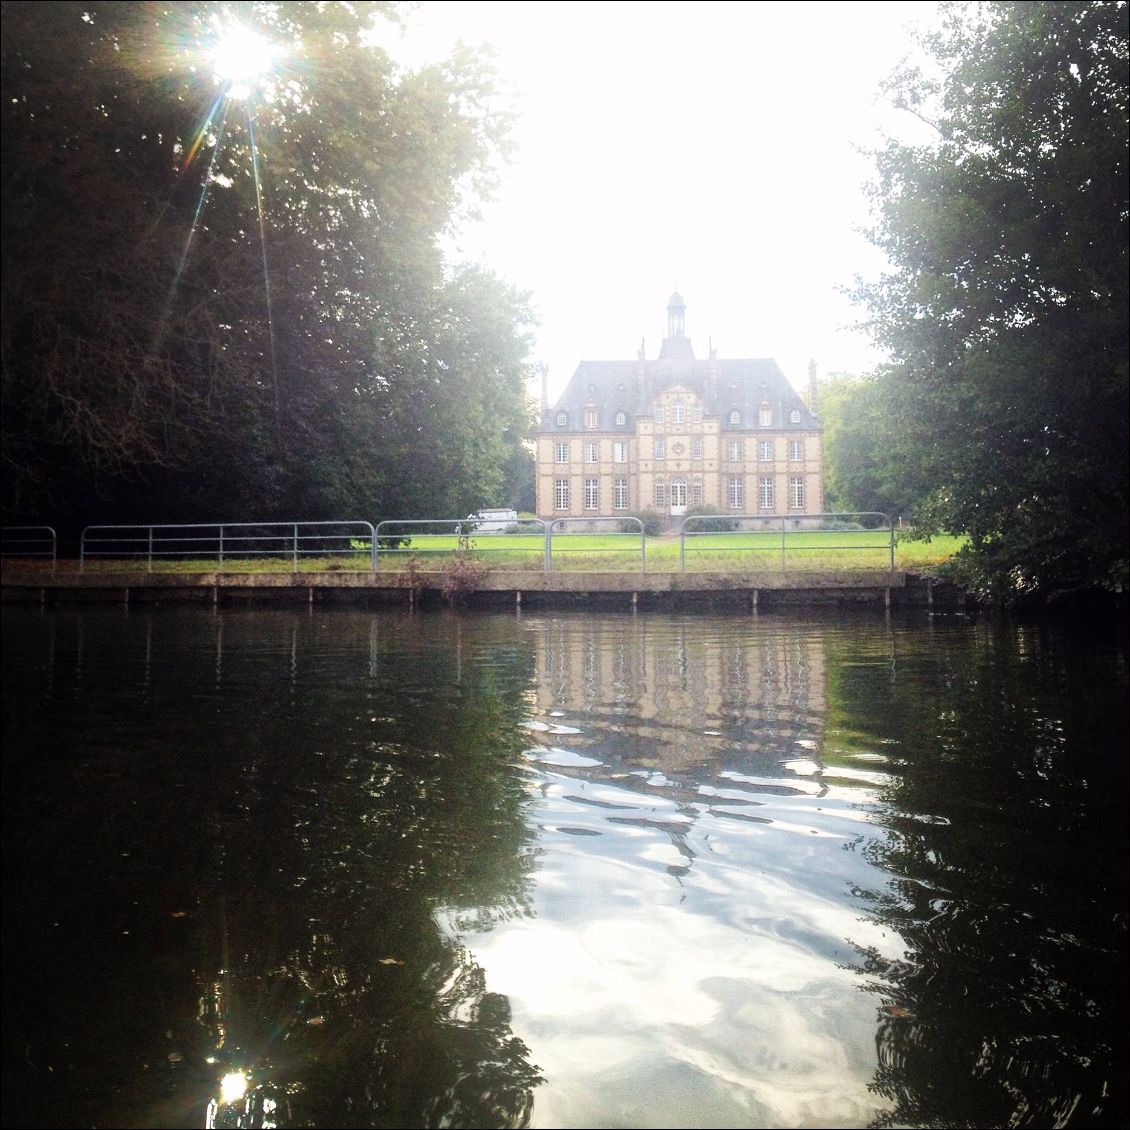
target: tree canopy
227 298
1005 308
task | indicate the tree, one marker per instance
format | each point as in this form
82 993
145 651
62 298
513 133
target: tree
220 303
1005 309
867 454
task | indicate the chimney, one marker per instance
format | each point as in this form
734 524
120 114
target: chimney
544 368
813 405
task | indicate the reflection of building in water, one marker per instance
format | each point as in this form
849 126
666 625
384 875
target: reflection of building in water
669 695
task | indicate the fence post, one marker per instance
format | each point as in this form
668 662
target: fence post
891 529
149 565
221 547
549 545
784 521
296 547
373 544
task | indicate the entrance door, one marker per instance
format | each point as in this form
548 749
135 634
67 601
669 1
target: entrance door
678 497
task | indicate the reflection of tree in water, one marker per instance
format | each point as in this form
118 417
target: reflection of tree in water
1005 836
284 910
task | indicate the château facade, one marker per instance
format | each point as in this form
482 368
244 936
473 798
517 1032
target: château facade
676 433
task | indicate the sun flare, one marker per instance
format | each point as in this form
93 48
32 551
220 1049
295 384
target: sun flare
240 56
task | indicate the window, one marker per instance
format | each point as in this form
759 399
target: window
796 450
658 414
661 495
590 417
621 419
562 419
736 451
620 494
735 416
764 415
765 492
620 452
696 413
796 492
678 492
794 416
678 412
698 495
592 453
660 449
592 494
765 450
735 492
696 447
561 494
561 453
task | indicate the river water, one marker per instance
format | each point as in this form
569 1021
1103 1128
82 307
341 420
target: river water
351 868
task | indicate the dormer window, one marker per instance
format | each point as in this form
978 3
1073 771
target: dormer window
562 419
590 417
621 419
735 416
764 415
794 416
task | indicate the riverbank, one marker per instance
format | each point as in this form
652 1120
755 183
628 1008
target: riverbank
493 588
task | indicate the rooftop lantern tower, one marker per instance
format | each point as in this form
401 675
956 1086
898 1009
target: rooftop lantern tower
676 345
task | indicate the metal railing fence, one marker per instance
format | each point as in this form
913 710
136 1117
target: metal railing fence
521 541
228 542
624 536
29 542
787 534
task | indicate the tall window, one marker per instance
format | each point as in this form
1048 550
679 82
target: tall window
678 412
620 452
678 492
736 452
620 494
796 492
592 453
561 453
764 415
592 494
590 417
765 492
698 495
696 413
561 494
765 450
658 414
796 450
660 449
696 447
661 495
735 492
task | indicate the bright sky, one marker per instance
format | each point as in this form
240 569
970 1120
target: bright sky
704 146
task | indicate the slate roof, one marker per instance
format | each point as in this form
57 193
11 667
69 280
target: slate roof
722 385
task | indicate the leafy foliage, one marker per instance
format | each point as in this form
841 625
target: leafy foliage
1005 311
244 310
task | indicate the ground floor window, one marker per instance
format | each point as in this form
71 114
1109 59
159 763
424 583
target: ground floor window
796 492
592 494
678 492
735 492
698 496
561 494
661 495
620 494
765 493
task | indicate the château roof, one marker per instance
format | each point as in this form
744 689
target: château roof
723 385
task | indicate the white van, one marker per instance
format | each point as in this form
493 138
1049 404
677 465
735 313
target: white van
493 521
